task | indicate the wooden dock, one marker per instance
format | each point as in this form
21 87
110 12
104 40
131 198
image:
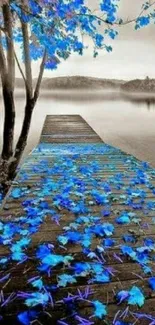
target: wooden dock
68 129
77 233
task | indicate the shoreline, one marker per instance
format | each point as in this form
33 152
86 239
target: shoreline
108 94
130 89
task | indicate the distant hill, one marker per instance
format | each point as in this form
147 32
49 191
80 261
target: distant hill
139 85
79 82
75 82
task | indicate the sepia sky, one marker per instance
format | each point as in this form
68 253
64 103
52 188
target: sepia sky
133 53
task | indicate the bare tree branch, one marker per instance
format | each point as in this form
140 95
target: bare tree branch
38 84
7 16
16 58
3 29
128 21
3 65
27 57
20 69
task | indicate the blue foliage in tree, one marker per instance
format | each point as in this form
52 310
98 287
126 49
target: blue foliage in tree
58 27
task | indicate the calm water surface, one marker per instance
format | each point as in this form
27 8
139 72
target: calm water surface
121 123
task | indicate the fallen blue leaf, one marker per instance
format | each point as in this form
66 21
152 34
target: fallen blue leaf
16 193
100 309
152 283
136 297
64 279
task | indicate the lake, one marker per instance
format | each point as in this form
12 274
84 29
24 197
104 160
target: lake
119 122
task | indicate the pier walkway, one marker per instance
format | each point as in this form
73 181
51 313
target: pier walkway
77 233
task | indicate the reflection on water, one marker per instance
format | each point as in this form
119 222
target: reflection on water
127 124
150 105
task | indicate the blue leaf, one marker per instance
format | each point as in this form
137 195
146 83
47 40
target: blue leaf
38 283
122 220
37 298
106 213
129 238
128 251
122 295
102 278
152 283
108 242
16 193
136 297
26 317
62 239
100 309
82 269
64 279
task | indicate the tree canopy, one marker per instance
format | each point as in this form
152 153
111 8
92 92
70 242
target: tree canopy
58 26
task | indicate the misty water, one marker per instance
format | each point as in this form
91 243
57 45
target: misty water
126 124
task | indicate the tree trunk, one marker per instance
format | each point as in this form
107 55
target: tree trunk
22 141
7 71
9 121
